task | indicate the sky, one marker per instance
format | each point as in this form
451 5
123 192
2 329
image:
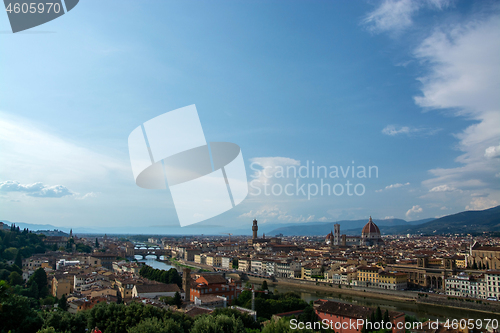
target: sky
408 88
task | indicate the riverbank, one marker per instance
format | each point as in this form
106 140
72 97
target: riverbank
182 264
406 299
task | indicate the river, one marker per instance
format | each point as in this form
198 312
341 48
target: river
151 261
419 310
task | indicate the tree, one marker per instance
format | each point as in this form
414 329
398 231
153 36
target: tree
15 279
386 316
96 243
217 324
62 303
17 315
40 279
155 325
264 286
177 300
19 259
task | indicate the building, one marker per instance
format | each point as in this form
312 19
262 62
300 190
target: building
368 276
465 285
392 280
484 257
288 269
227 262
155 290
492 283
370 235
106 259
213 260
310 271
214 285
62 284
349 318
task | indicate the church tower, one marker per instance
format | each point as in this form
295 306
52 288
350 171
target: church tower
254 229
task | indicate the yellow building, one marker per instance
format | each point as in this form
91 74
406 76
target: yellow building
213 260
310 271
368 274
62 284
393 280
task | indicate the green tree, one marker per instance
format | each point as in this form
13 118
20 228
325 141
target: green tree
264 286
40 279
96 243
19 259
15 279
177 300
283 326
217 324
155 325
62 304
18 316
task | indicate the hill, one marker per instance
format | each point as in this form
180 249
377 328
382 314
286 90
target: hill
351 227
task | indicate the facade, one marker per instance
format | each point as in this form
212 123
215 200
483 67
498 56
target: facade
227 262
370 235
348 318
214 285
392 280
62 284
244 264
368 275
492 284
155 290
310 271
288 269
464 285
484 257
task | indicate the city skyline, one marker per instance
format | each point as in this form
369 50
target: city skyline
409 88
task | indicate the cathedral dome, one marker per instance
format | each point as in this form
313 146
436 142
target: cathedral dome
370 229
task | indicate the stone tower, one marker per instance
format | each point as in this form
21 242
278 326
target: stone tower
336 234
254 229
186 284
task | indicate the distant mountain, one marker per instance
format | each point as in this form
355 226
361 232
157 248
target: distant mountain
352 227
464 222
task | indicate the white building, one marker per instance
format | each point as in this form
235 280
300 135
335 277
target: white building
492 284
464 285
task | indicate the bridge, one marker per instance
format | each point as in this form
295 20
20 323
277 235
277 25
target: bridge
152 251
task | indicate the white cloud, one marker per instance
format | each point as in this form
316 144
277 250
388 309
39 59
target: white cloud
36 189
388 187
323 219
270 213
397 15
414 210
464 80
388 217
481 203
265 168
394 130
443 188
492 152
30 153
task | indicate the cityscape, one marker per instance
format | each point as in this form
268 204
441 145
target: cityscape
250 166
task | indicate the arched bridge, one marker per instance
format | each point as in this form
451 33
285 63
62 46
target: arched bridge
152 252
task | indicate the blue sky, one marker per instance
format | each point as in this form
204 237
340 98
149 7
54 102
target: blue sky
409 87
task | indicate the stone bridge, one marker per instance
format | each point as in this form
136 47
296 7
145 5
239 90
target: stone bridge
152 252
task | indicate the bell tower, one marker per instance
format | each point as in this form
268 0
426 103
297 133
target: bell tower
254 229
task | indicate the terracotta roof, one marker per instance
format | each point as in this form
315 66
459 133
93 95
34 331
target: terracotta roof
196 311
370 228
157 288
345 310
214 278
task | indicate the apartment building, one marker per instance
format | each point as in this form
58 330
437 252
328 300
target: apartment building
492 280
393 280
464 285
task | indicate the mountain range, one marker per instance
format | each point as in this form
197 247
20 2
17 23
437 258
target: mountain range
463 222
